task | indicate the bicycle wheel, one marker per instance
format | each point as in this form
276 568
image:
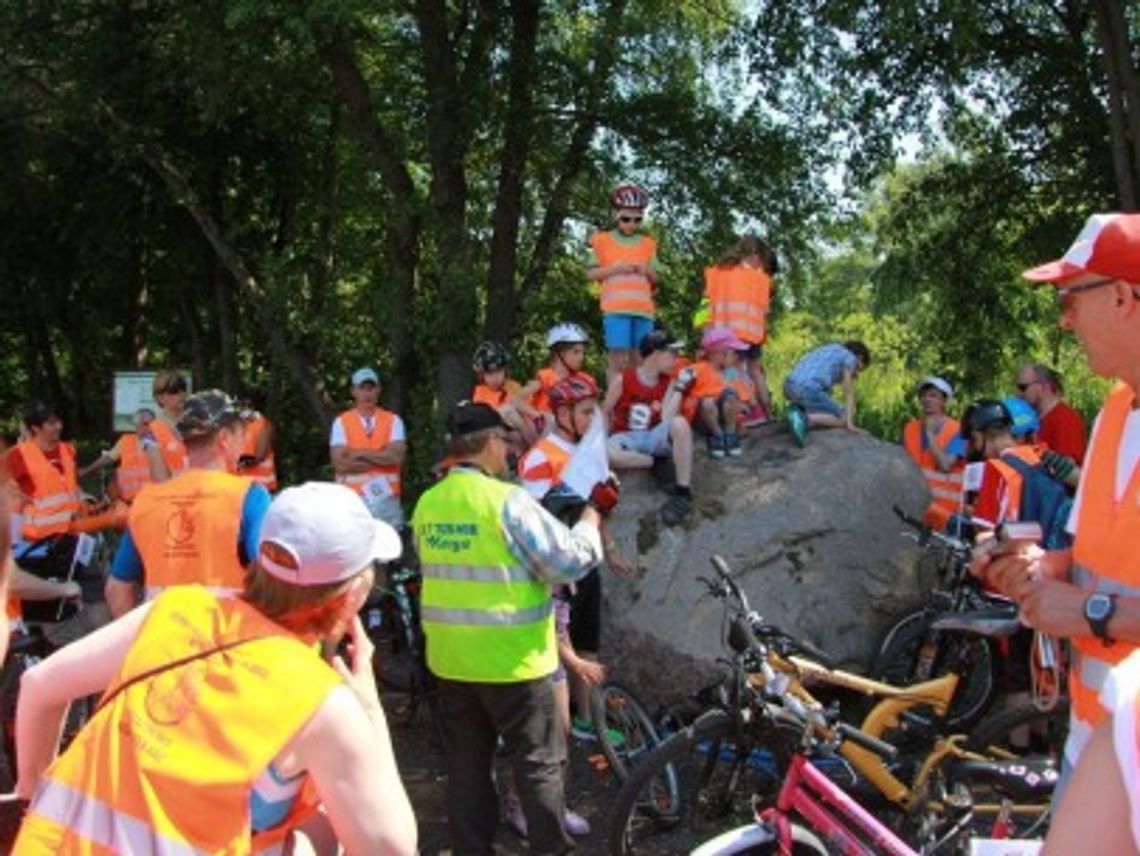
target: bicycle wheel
760 840
911 652
624 728
394 662
1023 731
695 783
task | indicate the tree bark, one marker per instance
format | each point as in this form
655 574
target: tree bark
402 237
1116 66
499 325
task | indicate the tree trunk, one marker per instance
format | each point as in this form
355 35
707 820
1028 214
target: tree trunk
1116 27
402 236
499 325
1117 107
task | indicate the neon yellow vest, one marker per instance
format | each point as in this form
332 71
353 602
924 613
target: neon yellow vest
486 618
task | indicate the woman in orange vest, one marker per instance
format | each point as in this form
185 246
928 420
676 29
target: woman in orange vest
624 261
220 723
739 291
257 461
133 471
43 469
930 441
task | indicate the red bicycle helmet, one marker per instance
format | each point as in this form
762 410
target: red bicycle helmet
570 390
629 196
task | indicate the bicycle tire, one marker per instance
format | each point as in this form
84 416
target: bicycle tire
615 710
759 840
896 663
1021 730
651 814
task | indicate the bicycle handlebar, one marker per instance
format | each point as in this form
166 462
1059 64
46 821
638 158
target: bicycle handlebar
926 533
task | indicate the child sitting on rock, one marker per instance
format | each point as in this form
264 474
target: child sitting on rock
567 344
715 405
491 363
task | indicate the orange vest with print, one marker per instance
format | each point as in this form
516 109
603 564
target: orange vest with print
1106 556
625 294
357 438
483 394
547 377
170 444
708 382
134 469
55 500
1012 478
186 531
739 297
264 472
550 469
945 487
166 766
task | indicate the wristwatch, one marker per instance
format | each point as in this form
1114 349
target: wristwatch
1099 609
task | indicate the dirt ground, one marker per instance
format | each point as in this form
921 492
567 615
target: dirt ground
588 791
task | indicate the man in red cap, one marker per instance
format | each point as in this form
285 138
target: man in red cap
1090 594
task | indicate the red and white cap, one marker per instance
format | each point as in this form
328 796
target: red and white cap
1108 245
321 532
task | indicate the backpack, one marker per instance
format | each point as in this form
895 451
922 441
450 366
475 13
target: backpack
1045 501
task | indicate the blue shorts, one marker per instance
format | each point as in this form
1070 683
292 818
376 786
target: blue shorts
625 332
813 400
652 441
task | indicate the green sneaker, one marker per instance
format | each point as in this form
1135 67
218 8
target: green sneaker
798 422
583 729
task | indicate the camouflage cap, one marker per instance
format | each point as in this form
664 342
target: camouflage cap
207 411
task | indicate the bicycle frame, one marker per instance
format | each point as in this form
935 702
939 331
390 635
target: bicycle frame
814 796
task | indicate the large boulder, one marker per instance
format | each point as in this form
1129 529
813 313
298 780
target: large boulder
809 533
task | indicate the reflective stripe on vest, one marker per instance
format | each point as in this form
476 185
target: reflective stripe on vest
153 592
624 293
264 472
485 617
55 497
1106 552
93 820
945 487
134 469
357 438
738 299
186 529
166 765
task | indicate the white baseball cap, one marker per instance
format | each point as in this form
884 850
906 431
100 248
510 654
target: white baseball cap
365 375
940 384
321 532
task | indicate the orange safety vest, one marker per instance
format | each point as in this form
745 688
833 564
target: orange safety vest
264 472
357 438
171 446
739 297
707 383
945 487
551 468
1106 558
15 613
134 469
1012 478
483 394
547 377
625 294
166 766
186 531
55 498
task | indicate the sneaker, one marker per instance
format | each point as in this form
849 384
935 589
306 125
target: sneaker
755 415
583 729
732 445
515 818
575 824
676 509
665 472
716 446
798 422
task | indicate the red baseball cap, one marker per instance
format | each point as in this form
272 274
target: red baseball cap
1108 245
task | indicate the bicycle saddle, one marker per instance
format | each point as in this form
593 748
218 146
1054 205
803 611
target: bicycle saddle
992 623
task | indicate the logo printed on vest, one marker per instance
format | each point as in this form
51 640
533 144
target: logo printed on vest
180 531
172 695
453 537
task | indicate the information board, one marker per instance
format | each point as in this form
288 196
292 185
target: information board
132 390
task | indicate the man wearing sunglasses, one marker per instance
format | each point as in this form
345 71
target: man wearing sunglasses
1062 428
1090 594
624 262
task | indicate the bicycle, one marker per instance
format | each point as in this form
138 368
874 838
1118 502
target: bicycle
391 617
719 752
625 731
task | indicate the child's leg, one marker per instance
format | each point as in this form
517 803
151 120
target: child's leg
621 458
760 379
729 411
710 415
681 437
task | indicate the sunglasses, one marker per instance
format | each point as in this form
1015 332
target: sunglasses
625 219
1064 295
1021 387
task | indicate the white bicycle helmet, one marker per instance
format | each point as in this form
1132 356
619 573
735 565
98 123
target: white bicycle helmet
566 333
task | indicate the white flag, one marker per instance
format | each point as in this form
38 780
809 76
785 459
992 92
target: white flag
588 463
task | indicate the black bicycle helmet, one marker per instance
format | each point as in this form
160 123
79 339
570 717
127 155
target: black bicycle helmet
490 357
985 413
